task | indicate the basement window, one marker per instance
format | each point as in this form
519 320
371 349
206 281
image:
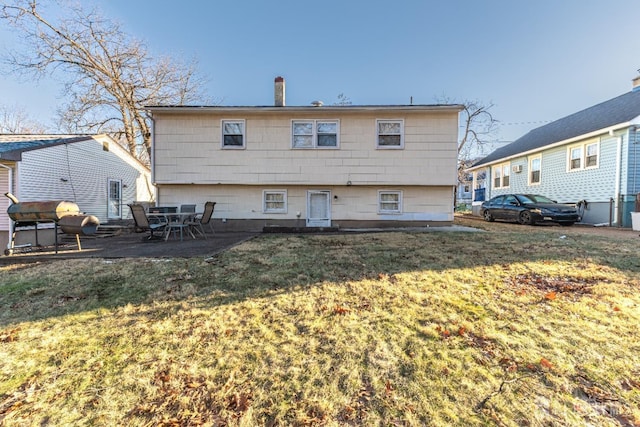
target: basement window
274 201
389 202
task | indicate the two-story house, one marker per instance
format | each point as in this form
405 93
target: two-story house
309 166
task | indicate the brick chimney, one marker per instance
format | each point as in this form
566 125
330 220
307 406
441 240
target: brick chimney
279 92
636 83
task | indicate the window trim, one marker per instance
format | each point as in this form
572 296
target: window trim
583 146
244 134
502 167
390 147
529 179
382 211
315 133
284 209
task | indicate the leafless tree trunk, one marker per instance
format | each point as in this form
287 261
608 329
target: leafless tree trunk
477 127
109 77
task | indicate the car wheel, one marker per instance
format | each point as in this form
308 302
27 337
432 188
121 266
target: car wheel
487 216
525 218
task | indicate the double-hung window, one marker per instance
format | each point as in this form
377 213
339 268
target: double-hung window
583 156
233 134
390 133
315 134
389 202
274 201
534 170
501 174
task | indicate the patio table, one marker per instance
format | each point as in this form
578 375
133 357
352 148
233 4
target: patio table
175 222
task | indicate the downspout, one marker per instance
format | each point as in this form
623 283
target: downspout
11 226
618 177
153 157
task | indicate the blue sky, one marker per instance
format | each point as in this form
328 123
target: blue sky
537 61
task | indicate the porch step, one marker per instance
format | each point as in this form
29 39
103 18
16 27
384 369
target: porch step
283 229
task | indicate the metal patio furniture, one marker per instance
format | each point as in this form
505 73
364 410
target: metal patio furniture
197 223
142 221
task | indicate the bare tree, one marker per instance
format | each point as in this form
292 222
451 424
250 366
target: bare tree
478 127
15 120
109 77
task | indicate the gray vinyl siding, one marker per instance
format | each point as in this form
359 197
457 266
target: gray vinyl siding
593 185
86 167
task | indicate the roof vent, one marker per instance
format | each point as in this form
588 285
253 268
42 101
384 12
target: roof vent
317 103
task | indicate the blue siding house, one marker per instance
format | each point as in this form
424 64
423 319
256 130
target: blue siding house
590 158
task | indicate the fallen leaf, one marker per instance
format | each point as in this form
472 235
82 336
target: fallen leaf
544 362
550 296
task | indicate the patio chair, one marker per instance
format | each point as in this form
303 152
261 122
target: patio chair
142 221
197 223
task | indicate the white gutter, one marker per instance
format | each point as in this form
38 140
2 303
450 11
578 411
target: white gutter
559 143
11 227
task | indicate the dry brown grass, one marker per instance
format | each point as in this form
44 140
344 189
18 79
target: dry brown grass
520 326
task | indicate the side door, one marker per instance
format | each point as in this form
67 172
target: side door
318 208
114 199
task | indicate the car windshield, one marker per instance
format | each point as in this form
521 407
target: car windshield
534 198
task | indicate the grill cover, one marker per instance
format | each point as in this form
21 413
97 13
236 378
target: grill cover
50 210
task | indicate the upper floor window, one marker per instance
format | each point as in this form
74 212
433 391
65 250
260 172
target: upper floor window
501 174
583 156
389 201
233 134
315 134
534 170
390 133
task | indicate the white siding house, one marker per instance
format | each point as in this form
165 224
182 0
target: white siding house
310 166
93 171
590 158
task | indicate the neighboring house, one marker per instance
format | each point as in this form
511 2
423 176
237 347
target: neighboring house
590 158
310 166
467 186
93 171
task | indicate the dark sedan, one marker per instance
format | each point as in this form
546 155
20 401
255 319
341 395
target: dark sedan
528 209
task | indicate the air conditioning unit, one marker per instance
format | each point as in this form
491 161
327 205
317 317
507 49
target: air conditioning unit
516 168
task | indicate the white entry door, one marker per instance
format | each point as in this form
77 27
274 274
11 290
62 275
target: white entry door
114 204
318 208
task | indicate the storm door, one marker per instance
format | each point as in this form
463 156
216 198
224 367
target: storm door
114 204
318 208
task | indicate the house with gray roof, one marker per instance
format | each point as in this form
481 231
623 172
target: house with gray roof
590 158
93 171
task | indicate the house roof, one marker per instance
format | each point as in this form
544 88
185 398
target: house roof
304 108
620 110
12 146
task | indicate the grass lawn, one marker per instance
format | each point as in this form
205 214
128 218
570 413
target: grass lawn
520 326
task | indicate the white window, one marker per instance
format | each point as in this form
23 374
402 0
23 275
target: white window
390 133
583 156
274 201
315 134
535 164
501 175
389 202
591 155
233 134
